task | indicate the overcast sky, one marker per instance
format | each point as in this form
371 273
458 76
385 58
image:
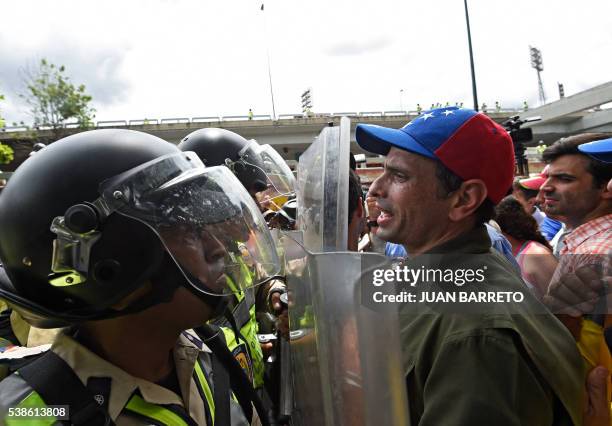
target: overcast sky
184 58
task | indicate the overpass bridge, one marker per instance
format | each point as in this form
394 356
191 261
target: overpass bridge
578 113
291 134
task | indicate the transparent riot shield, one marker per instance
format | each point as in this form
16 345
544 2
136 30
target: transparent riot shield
322 189
346 359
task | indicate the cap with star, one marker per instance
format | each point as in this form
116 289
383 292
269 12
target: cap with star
468 143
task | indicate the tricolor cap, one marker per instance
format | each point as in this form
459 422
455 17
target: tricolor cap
468 143
533 183
600 150
536 182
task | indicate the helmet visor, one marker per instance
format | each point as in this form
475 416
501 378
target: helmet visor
280 178
205 218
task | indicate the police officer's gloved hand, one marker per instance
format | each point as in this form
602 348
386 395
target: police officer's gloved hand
276 306
280 310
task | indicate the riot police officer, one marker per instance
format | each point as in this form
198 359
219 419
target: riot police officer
268 179
260 168
122 236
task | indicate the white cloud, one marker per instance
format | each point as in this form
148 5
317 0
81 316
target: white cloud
173 58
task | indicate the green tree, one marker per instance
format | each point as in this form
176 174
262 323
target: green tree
2 122
6 154
54 99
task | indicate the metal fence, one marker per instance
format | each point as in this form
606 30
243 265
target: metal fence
232 118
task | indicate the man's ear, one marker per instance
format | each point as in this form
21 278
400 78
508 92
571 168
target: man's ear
359 211
607 191
466 200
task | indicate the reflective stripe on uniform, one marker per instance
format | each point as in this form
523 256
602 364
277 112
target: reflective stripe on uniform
241 312
23 396
255 359
33 400
235 409
244 315
210 401
155 412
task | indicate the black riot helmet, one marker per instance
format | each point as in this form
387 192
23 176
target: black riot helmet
97 215
287 214
221 147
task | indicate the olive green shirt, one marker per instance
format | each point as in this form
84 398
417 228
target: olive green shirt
503 364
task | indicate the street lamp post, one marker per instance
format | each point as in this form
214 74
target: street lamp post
269 67
467 21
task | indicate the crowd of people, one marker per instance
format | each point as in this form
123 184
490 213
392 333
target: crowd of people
565 211
151 270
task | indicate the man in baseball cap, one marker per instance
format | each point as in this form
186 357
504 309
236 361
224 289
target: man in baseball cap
600 150
444 172
527 192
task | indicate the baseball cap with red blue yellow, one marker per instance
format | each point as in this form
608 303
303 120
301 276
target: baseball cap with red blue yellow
535 182
466 142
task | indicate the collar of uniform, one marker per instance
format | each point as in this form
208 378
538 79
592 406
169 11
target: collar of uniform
585 231
87 364
474 241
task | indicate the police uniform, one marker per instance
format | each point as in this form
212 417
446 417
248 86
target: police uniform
132 225
15 331
130 400
245 347
246 160
22 333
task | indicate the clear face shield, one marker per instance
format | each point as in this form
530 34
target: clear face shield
280 181
204 217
